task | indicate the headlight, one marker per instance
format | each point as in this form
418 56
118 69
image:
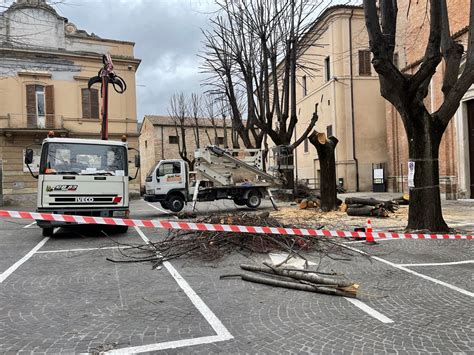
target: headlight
148 178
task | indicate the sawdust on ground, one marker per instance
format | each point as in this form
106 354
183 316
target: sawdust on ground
315 218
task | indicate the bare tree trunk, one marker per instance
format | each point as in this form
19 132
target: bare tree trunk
327 161
425 202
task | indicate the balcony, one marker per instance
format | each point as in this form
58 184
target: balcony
20 123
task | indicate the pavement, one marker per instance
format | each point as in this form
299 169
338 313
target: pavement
61 295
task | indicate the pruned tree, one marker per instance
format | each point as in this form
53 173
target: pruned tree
252 54
178 111
406 92
326 147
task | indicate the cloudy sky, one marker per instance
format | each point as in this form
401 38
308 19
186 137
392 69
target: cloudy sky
167 36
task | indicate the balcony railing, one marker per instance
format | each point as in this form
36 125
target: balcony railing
73 124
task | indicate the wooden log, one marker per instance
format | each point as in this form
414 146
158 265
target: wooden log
304 204
388 205
359 211
298 275
296 285
310 204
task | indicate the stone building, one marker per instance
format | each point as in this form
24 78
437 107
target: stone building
159 139
346 88
456 158
45 63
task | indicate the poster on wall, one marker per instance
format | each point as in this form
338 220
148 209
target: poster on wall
36 161
411 174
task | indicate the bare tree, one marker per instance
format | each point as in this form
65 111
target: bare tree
178 111
407 92
253 53
194 109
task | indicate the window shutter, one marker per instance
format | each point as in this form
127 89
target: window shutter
364 63
31 106
94 97
49 99
86 108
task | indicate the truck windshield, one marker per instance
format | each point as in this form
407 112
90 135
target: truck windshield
83 159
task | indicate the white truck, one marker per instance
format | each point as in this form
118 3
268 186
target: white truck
84 177
219 174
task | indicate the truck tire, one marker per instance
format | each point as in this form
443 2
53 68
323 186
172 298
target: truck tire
48 232
121 229
240 201
175 203
253 199
164 205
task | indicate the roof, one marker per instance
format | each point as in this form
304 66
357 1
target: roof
189 122
83 141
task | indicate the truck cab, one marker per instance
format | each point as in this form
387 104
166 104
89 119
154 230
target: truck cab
169 183
84 177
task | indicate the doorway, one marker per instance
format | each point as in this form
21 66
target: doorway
470 137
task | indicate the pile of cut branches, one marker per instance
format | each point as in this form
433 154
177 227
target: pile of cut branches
298 279
213 245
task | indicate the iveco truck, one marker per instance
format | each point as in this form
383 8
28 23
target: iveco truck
85 177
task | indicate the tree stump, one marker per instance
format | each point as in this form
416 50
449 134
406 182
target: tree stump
327 161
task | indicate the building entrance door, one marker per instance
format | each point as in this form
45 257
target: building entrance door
470 130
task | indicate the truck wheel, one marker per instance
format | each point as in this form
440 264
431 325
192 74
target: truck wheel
240 201
253 199
164 205
121 229
175 203
48 232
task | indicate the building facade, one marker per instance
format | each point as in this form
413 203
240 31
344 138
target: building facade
45 63
160 138
456 155
346 89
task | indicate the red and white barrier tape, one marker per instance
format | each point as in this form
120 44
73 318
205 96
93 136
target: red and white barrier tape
222 227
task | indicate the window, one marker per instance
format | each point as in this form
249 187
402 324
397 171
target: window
327 68
305 89
173 140
365 67
306 145
84 159
219 140
40 106
329 131
90 103
169 168
146 144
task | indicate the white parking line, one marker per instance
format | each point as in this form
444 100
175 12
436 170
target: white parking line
440 264
429 278
222 332
30 225
369 310
159 209
73 250
20 262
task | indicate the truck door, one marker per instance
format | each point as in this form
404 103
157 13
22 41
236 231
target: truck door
169 176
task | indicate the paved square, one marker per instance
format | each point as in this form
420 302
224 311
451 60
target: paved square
67 298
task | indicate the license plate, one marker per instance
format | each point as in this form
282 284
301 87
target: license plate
84 199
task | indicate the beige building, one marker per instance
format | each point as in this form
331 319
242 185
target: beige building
45 63
346 88
160 140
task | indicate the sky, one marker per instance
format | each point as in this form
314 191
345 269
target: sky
167 36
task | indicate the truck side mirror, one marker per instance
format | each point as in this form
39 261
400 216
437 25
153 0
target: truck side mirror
29 156
137 160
